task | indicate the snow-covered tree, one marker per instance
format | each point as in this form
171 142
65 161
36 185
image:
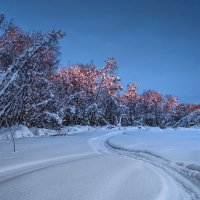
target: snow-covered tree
149 108
190 120
26 62
130 99
34 92
169 111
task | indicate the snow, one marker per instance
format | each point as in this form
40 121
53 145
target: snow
70 130
193 119
19 131
55 117
102 163
181 145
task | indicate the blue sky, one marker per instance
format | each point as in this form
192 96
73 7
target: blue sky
156 42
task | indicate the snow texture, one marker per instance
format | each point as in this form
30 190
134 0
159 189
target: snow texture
109 163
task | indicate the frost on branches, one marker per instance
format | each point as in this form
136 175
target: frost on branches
86 93
26 62
35 91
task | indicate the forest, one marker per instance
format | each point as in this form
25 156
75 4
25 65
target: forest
36 91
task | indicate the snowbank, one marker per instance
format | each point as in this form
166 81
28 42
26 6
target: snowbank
69 130
19 131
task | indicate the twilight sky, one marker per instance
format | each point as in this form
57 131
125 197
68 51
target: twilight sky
156 42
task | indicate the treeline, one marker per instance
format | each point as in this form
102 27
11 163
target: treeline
36 91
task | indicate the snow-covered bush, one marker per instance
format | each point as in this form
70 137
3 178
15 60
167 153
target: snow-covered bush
192 119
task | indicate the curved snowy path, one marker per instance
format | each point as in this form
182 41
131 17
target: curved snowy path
81 167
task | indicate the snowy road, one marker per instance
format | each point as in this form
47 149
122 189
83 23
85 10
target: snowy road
81 167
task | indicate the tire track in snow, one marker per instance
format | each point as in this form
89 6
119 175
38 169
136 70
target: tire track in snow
183 177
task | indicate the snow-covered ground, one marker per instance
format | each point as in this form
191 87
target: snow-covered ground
180 145
86 163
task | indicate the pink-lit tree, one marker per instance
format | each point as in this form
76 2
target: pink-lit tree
26 62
